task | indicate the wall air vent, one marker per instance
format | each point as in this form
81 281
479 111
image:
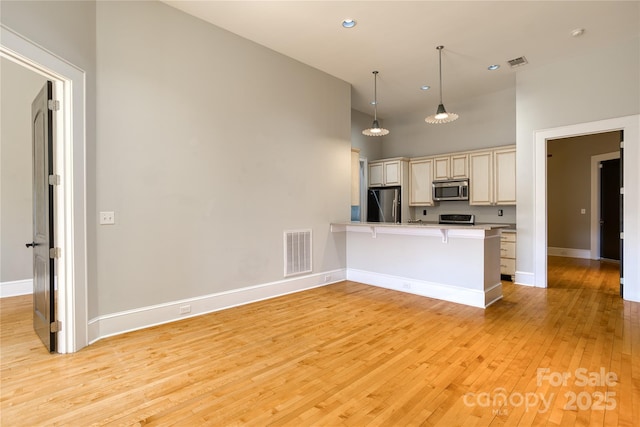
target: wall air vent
297 252
518 62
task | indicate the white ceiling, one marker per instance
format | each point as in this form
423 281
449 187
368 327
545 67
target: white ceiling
399 39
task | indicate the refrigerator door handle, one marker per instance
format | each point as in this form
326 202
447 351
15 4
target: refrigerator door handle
395 206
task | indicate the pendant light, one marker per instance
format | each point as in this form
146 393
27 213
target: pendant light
441 115
375 129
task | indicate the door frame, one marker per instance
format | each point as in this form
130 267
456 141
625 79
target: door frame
70 196
595 200
631 246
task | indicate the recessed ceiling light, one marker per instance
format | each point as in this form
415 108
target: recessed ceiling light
425 87
577 32
349 23
493 67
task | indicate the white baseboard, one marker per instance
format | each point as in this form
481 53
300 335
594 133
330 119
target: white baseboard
140 318
569 252
474 298
16 287
525 278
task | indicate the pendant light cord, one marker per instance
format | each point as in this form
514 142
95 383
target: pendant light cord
375 95
440 68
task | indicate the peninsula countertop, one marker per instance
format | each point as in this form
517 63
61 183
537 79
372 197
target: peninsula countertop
422 224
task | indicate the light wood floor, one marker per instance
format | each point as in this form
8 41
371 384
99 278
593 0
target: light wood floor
347 354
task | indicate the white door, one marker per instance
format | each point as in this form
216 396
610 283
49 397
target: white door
43 264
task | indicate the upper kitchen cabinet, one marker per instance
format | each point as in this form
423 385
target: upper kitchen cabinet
505 176
451 166
387 172
420 181
492 176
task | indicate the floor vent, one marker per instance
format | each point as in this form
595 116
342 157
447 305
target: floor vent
297 252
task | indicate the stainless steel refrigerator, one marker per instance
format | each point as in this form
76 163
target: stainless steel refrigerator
384 205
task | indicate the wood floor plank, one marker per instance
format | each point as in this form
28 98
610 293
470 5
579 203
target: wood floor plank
343 355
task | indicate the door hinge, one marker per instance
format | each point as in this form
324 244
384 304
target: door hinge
600 165
622 190
622 280
53 104
55 326
55 253
621 144
54 179
622 236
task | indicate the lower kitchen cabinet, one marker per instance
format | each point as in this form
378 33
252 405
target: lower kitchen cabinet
508 254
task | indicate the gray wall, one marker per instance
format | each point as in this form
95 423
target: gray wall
206 146
569 187
19 87
209 147
564 93
485 121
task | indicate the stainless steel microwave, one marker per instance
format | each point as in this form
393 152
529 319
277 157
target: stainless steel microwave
454 189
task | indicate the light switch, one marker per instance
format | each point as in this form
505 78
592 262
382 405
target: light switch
107 218
583 211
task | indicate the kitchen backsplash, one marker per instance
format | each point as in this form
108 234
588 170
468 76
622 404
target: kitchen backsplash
486 214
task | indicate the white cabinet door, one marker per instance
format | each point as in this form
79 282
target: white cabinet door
376 174
420 179
454 166
441 168
459 166
392 174
481 178
505 173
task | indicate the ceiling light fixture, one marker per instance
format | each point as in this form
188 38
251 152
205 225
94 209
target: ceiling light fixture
441 115
375 129
577 32
425 87
348 23
493 67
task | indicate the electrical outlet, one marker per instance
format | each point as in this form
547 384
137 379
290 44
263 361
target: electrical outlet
184 309
327 278
406 285
499 212
107 218
424 212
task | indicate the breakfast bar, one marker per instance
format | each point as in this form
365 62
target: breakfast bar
456 263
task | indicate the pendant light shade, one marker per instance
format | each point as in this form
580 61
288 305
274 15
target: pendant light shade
375 129
441 115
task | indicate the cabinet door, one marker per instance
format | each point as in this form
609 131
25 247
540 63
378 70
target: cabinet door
459 166
505 173
420 179
392 173
441 168
376 174
481 178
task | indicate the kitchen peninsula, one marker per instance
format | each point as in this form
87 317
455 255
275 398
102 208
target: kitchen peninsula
456 263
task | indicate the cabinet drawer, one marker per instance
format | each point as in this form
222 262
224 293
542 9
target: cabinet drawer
507 266
507 237
507 250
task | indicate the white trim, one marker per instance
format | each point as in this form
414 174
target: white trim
569 252
69 201
595 200
525 278
631 244
144 317
471 297
16 287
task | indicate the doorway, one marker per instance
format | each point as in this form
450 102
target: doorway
69 166
631 127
